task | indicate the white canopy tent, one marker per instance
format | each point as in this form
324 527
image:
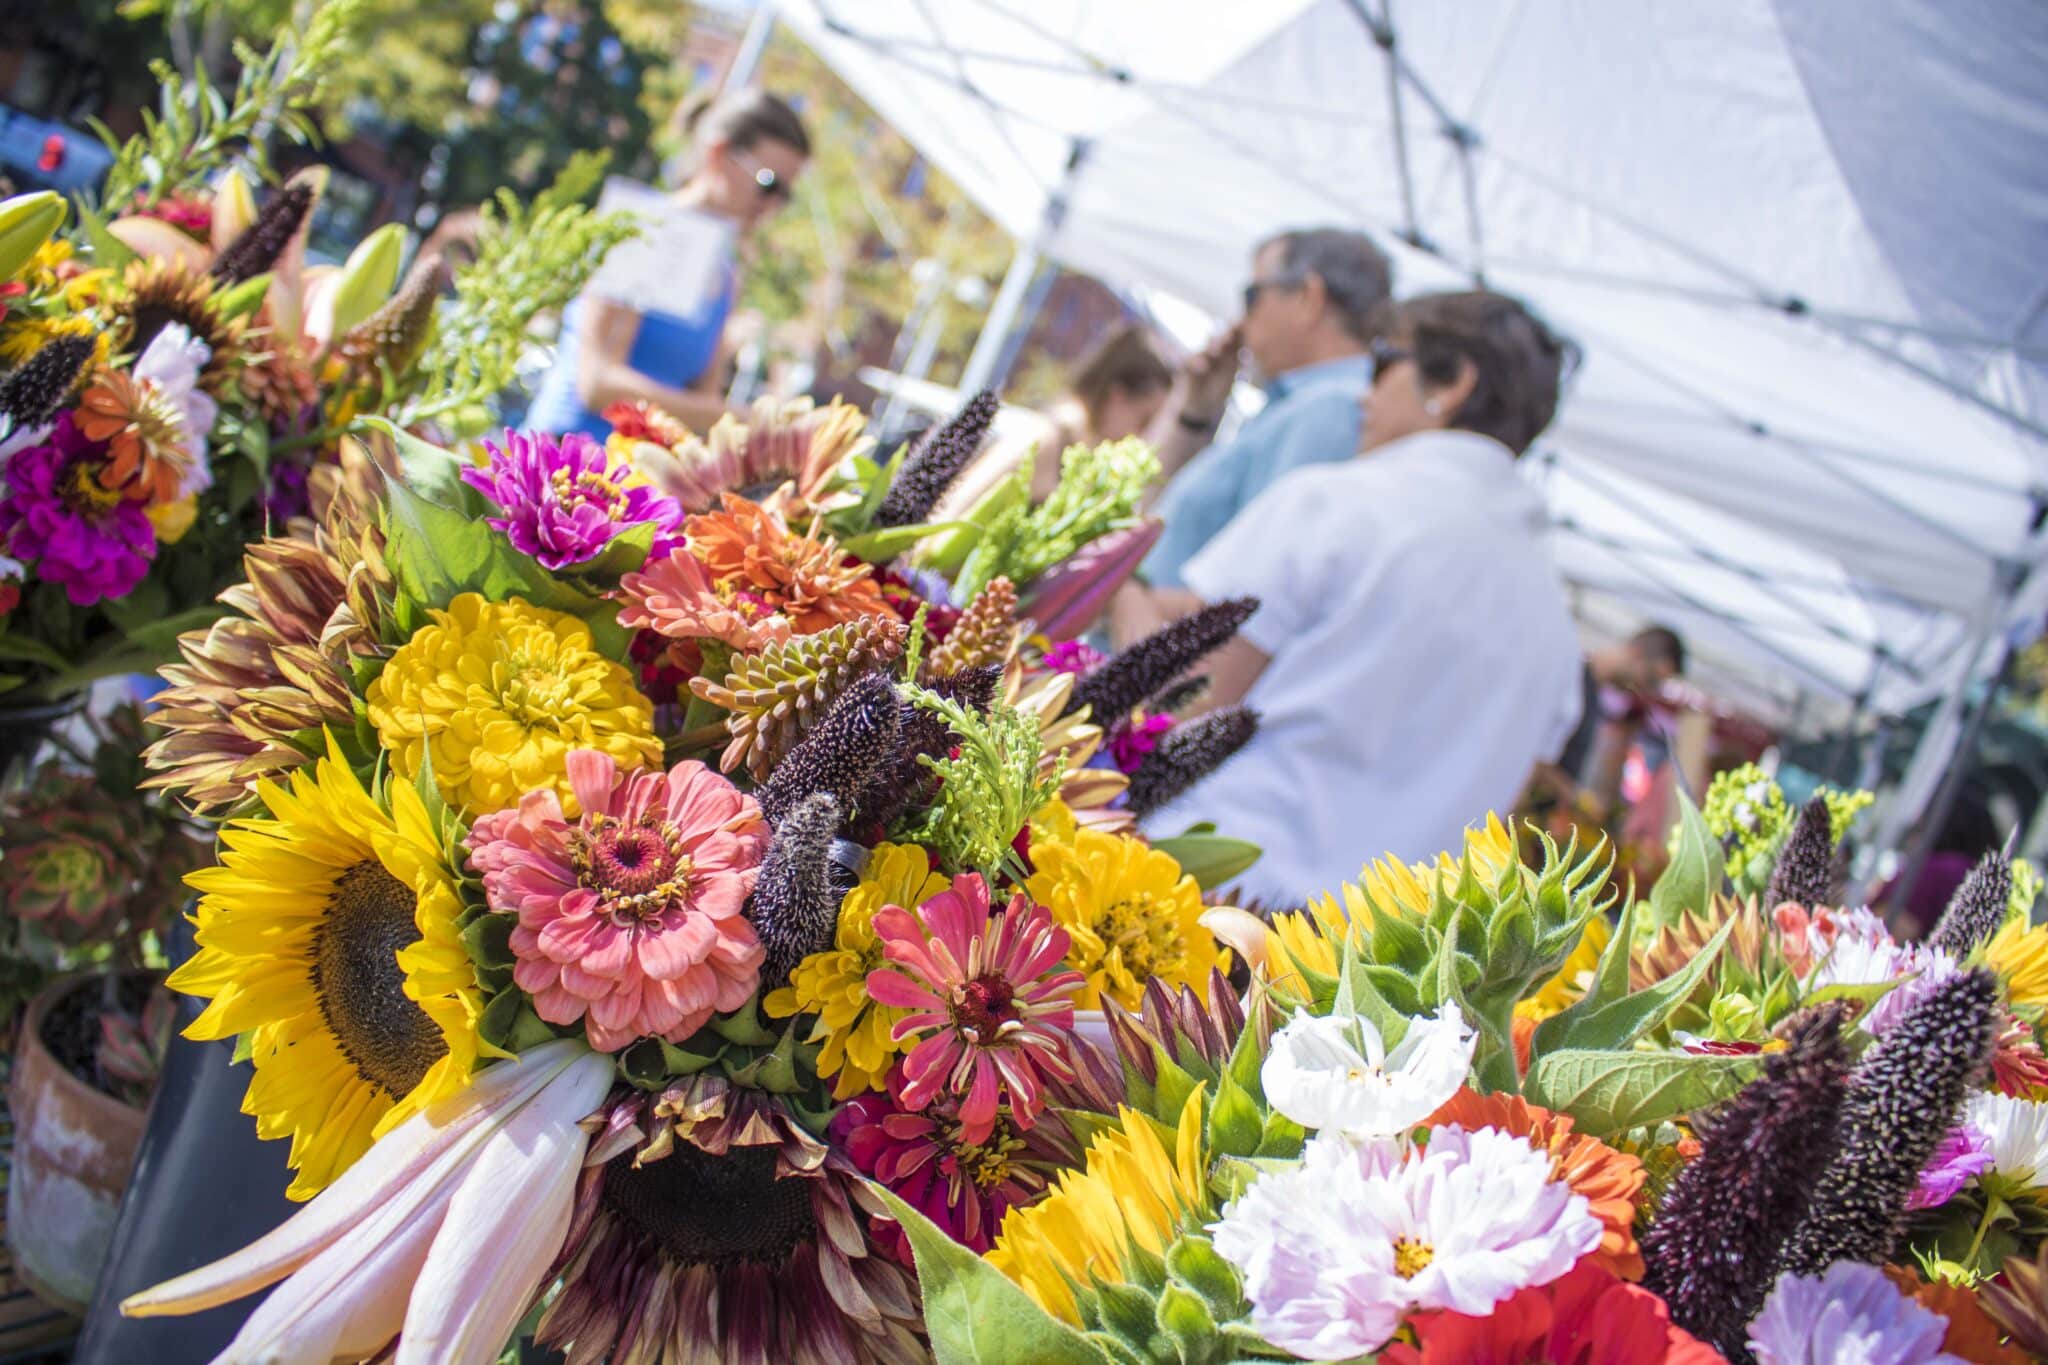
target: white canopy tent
1800 242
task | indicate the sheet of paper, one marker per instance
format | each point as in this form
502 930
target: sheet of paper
676 265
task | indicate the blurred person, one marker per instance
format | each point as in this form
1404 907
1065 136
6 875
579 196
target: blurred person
1310 312
1616 685
1413 654
748 149
1117 390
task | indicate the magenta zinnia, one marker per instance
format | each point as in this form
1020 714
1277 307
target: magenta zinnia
992 1011
58 518
709 1226
566 502
922 1155
630 915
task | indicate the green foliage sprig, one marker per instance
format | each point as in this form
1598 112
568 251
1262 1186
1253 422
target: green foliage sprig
197 128
530 258
1099 490
989 791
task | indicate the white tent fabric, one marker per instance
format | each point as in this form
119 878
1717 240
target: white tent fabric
1800 243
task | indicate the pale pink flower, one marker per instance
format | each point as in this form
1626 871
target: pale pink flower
675 596
630 917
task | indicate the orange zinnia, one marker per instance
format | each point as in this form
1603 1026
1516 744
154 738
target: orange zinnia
748 548
1971 1333
1609 1180
149 451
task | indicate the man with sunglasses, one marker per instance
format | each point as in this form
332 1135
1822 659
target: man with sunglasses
1309 317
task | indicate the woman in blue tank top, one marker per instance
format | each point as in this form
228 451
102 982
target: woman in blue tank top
749 148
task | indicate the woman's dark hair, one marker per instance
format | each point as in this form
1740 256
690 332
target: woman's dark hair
742 119
1125 359
1520 363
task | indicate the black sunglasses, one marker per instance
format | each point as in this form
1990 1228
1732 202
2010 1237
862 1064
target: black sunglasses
1258 287
1385 355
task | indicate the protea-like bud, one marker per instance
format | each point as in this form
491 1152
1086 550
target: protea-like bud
1132 674
936 461
986 632
840 756
257 249
794 909
1978 907
2018 1301
1713 1249
779 694
1901 1102
1805 873
1188 753
32 394
394 335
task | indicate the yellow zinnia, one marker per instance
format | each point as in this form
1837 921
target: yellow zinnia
833 984
1131 1195
327 933
2019 954
1131 912
498 693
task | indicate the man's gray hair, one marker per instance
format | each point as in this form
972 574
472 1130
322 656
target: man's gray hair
1356 274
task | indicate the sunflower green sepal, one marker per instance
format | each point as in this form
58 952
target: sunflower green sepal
1612 1017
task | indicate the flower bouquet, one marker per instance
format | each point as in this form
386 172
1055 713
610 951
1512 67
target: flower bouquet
1457 1117
626 903
175 377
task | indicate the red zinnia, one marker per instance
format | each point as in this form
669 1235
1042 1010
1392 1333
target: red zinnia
993 1012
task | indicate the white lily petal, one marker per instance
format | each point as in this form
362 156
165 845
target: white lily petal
505 1225
348 1301
444 1134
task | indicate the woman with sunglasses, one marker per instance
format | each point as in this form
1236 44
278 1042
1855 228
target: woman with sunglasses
747 150
1412 656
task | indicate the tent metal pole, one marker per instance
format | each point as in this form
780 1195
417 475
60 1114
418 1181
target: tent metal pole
992 353
753 44
1381 27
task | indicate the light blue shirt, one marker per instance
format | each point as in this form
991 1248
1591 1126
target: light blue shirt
1311 417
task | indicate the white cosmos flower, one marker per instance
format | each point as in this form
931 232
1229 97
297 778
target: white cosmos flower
1335 1251
2016 1131
1863 952
173 359
1332 1072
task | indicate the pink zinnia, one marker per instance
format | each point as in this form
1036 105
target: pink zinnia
990 1008
922 1155
629 917
55 515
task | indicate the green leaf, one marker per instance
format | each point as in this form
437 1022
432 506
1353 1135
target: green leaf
107 249
626 554
1186 1321
1619 1023
159 638
1234 1124
489 940
879 547
1863 993
1359 998
431 472
1607 1092
28 649
1211 859
242 300
974 1313
1694 876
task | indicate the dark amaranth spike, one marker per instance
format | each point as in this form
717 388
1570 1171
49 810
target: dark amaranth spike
1147 667
32 394
839 757
261 243
935 462
794 909
902 781
1186 754
1805 874
1977 909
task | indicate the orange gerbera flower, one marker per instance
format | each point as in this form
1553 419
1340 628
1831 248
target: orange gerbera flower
150 450
1971 1334
748 548
1609 1180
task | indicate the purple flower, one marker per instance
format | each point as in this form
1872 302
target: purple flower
1964 1153
566 502
1131 741
287 495
1850 1314
56 516
1073 656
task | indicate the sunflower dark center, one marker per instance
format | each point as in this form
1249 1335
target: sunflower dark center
360 986
712 1210
982 1005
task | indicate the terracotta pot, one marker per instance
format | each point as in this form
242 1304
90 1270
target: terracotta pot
73 1150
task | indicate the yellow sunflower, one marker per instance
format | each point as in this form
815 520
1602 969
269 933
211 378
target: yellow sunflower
1131 1196
1132 914
327 933
2019 954
498 693
833 984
